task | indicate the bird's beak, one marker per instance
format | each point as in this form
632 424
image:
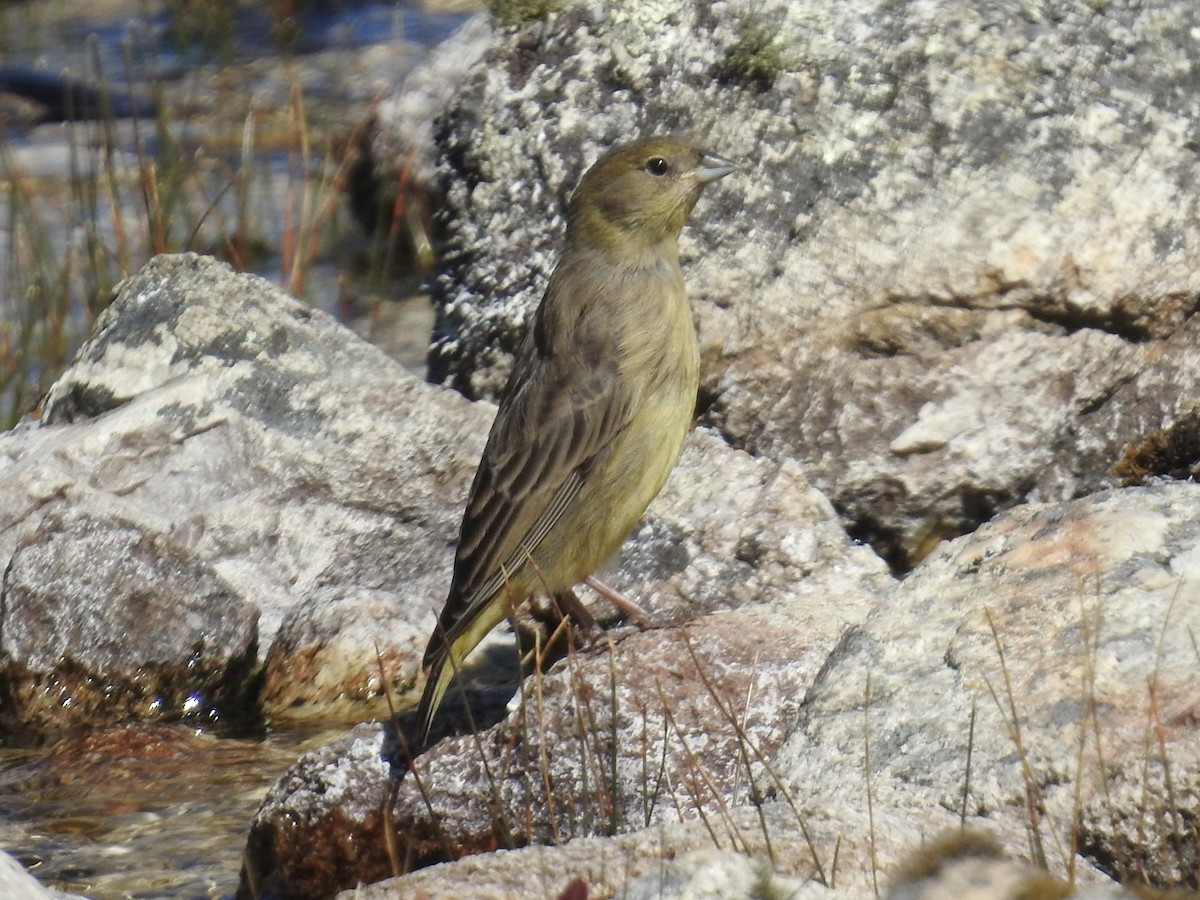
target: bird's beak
713 167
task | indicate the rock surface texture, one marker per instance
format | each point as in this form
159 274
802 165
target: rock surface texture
956 277
957 271
1035 680
220 475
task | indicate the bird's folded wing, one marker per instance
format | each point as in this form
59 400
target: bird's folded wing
550 429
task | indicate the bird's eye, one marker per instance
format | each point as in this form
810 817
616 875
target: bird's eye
656 165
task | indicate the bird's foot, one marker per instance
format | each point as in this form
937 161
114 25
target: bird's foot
571 607
632 611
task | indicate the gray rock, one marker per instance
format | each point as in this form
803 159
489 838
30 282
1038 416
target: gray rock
102 620
1035 679
17 884
391 185
958 276
715 875
664 857
958 269
1035 676
219 453
751 583
324 831
405 133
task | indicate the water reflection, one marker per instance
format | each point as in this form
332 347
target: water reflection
242 146
142 811
165 40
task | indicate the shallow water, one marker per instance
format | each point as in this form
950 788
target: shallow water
140 812
145 38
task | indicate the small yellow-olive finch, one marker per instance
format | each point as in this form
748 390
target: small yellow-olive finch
601 396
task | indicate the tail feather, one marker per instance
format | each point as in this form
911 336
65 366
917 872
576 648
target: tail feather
437 680
447 650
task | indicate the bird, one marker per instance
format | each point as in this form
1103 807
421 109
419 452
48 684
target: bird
600 398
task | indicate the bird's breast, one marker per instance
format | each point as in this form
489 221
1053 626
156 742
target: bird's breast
660 364
657 348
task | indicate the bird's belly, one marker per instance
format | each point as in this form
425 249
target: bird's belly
619 489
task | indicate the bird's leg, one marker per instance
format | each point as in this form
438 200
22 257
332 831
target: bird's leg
570 609
565 608
636 614
565 602
570 606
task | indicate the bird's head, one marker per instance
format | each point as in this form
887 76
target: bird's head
642 192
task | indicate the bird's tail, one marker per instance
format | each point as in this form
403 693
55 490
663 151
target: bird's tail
437 679
448 648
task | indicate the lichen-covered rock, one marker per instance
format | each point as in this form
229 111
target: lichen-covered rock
957 270
663 861
222 465
104 621
1035 680
325 826
649 867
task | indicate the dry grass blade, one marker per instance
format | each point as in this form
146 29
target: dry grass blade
1012 722
132 188
700 777
870 789
749 750
966 792
543 750
1169 827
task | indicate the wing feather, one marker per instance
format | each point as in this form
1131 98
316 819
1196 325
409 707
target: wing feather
557 416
